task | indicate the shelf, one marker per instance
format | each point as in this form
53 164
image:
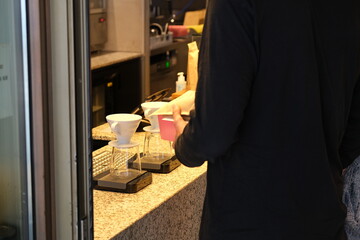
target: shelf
109 58
168 47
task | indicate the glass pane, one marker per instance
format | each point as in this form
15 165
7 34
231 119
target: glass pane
15 213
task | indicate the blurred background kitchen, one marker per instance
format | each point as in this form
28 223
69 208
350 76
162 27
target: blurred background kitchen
64 66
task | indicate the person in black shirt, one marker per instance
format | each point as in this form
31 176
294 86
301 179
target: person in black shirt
277 117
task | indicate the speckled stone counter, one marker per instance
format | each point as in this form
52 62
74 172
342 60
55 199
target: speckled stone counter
109 58
103 132
170 208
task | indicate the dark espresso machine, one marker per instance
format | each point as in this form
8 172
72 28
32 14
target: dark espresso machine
160 14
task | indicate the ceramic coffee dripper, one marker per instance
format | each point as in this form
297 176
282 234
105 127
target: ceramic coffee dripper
123 125
149 108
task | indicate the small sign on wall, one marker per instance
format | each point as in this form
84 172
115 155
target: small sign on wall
5 84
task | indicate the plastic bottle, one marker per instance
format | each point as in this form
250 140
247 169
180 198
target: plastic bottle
180 83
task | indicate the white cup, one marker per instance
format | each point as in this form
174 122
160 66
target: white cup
149 108
123 125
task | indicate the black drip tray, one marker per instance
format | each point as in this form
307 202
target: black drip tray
127 185
164 166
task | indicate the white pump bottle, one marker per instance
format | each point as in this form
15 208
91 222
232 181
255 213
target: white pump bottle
180 83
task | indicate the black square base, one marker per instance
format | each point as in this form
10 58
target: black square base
109 183
158 167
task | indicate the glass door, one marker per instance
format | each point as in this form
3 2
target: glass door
16 210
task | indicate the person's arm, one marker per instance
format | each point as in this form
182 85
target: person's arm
350 146
227 68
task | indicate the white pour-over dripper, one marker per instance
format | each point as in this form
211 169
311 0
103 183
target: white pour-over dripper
149 108
123 125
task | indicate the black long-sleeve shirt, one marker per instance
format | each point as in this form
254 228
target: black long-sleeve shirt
277 117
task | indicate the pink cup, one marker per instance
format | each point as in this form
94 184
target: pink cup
167 127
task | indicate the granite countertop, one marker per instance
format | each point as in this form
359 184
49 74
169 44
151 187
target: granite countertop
103 132
108 58
114 212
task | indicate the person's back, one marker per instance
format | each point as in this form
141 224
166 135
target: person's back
277 117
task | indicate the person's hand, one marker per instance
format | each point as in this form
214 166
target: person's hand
178 122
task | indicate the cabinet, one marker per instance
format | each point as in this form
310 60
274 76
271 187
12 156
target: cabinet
115 88
165 63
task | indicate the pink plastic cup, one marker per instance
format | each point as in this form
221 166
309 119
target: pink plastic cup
167 127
